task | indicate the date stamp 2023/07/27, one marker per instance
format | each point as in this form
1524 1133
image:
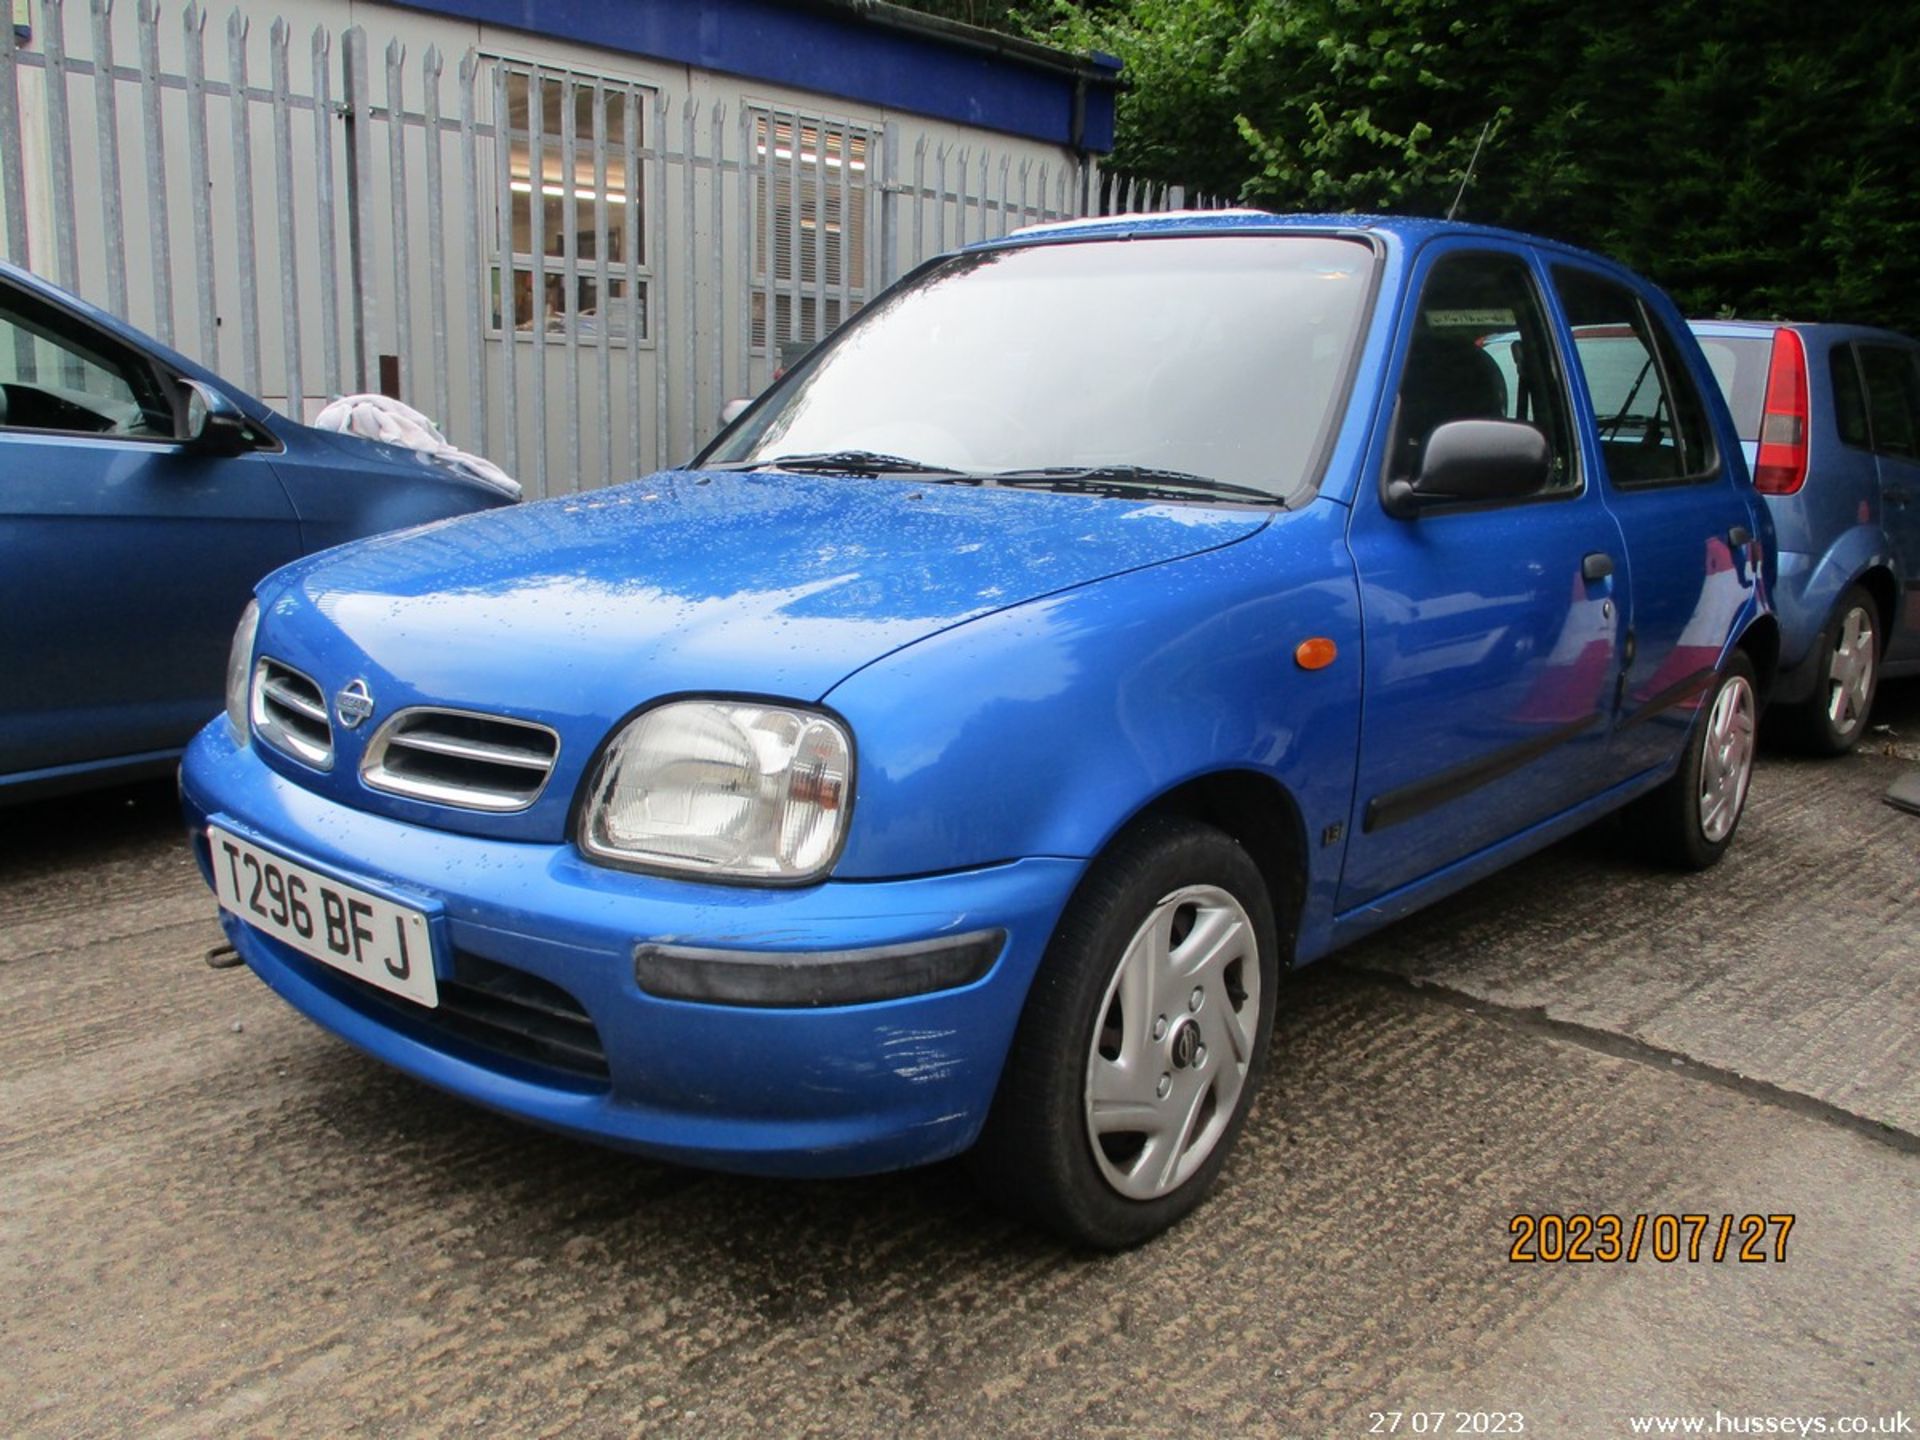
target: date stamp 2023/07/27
1584 1239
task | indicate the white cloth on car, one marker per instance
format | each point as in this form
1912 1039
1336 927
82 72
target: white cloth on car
390 421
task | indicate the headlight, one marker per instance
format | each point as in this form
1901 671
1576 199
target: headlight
240 671
719 787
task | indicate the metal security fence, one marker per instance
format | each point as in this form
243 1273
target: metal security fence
571 272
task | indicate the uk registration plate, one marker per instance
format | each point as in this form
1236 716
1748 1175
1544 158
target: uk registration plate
340 925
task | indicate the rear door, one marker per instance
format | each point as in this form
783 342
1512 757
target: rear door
1690 551
1491 657
125 558
1893 419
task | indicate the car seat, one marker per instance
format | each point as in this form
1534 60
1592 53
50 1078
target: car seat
1447 378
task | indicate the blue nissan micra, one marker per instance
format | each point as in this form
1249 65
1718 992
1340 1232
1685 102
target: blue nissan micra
954 756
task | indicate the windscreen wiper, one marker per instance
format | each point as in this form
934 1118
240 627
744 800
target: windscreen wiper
841 462
1127 480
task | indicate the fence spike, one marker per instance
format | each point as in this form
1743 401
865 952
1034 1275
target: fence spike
477 428
279 44
53 44
13 184
241 133
432 66
107 126
332 382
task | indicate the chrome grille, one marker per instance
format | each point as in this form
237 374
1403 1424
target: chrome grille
290 714
458 757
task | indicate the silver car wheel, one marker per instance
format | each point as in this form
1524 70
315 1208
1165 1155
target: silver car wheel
1167 1065
1850 674
1726 760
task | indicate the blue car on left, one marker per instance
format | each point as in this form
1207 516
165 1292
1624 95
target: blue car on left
141 497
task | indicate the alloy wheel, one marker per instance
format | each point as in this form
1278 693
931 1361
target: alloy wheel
1726 761
1850 676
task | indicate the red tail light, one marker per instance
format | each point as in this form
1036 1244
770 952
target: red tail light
1781 466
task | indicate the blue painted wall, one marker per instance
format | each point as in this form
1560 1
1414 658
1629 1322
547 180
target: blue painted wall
826 52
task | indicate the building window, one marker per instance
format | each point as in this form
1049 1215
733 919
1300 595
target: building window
811 221
584 199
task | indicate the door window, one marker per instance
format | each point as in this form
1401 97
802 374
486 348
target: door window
1652 425
55 375
1893 399
1849 400
1481 350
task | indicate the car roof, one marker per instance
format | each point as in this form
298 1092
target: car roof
1819 330
1411 231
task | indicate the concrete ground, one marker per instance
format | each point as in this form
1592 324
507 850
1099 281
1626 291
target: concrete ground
215 1220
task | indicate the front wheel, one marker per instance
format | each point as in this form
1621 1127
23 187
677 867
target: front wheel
1847 655
1143 1038
1690 820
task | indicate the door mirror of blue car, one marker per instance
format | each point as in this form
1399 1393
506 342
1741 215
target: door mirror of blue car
1474 461
215 425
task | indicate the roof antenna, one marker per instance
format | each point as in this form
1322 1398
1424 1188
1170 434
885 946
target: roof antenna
1467 178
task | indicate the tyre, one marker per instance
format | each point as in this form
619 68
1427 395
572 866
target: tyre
1847 657
1142 1041
1690 820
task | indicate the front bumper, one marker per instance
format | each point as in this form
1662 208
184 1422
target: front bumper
831 1090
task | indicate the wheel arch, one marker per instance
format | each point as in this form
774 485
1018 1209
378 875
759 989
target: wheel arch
1878 582
1262 817
1760 641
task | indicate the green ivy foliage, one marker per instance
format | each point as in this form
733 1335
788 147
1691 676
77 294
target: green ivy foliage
1757 157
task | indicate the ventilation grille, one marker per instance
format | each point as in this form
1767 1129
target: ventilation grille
520 1015
487 1010
455 757
290 714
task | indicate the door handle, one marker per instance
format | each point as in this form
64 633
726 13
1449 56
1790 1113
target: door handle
1597 566
1893 495
1739 536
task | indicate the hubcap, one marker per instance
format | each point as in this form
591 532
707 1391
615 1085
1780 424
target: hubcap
1176 1033
1727 761
1850 676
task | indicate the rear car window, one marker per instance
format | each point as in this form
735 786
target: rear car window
1893 398
1739 364
1849 399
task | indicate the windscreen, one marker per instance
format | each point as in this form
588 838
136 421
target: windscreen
1215 356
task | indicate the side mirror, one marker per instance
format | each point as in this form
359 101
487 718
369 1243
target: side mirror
214 423
1474 460
732 411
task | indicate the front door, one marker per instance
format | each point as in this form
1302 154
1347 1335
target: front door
1492 631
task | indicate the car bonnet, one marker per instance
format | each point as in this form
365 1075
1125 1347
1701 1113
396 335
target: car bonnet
580 609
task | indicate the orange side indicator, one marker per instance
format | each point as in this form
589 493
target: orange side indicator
1315 654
